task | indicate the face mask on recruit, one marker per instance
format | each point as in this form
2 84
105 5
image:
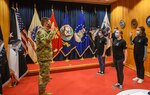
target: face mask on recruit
117 35
100 34
115 30
137 32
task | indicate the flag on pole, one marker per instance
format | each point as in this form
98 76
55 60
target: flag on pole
107 29
67 36
34 26
24 36
17 61
57 41
4 68
13 63
93 32
81 37
23 49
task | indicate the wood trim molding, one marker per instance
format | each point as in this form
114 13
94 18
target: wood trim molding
133 68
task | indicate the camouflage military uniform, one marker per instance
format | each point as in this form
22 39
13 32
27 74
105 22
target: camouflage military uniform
44 55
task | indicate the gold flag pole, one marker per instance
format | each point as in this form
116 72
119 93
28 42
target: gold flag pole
52 9
82 13
67 60
94 57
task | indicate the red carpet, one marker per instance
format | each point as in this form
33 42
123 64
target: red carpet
81 82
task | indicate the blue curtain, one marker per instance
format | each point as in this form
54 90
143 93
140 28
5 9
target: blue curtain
26 9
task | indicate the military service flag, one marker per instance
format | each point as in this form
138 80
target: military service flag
17 61
67 36
57 41
34 26
81 37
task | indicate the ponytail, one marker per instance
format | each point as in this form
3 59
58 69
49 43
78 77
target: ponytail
143 31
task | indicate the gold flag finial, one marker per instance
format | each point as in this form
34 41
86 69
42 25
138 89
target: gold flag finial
106 9
52 8
82 9
66 8
95 10
16 6
34 5
13 4
13 7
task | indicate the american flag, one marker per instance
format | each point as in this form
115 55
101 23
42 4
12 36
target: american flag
24 36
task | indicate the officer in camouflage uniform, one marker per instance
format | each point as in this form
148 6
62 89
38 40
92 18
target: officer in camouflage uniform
44 53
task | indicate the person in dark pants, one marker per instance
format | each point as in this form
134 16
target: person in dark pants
112 39
100 43
44 52
140 52
120 57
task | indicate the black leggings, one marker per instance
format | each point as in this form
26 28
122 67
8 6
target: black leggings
139 66
119 68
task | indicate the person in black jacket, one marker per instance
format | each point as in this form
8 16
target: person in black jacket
100 43
140 52
120 57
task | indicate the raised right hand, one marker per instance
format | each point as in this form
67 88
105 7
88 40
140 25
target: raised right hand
52 26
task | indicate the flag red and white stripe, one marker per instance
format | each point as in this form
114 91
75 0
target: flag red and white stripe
24 36
34 26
